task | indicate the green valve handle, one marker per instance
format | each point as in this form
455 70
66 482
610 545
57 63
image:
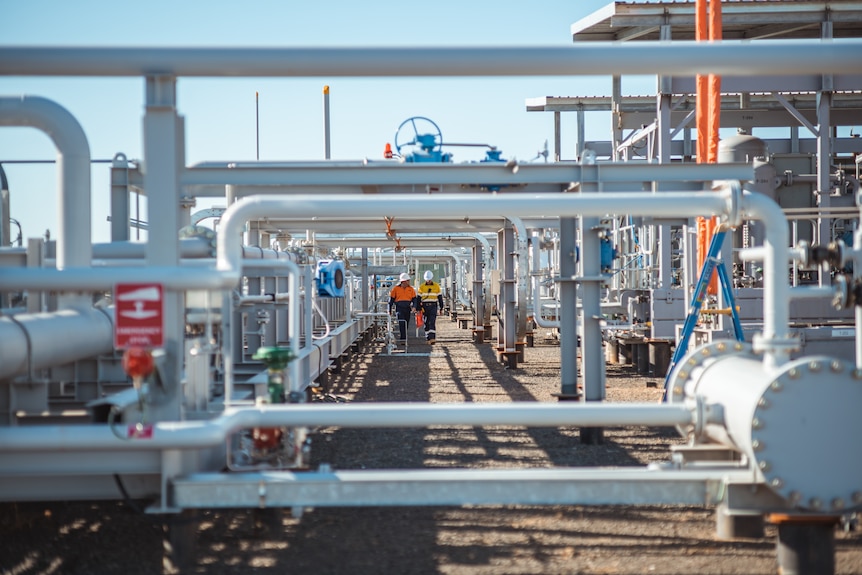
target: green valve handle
275 359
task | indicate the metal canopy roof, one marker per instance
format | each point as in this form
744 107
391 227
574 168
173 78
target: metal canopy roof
756 110
741 20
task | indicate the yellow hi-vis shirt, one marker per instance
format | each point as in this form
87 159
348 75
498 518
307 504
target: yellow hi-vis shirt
430 293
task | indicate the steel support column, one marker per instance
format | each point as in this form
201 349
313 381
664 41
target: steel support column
592 354
663 155
506 307
162 137
616 121
478 296
568 310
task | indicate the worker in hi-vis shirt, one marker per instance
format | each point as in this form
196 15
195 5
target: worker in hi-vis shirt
402 300
432 302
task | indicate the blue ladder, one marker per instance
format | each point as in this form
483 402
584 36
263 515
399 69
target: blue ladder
712 262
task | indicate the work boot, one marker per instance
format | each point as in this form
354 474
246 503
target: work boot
432 341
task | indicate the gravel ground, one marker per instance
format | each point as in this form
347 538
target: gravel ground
111 538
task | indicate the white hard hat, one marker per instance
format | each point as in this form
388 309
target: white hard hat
429 275
404 278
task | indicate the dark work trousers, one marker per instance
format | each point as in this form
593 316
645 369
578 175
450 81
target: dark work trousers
430 312
403 313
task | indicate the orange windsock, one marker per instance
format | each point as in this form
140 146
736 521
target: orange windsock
708 119
714 84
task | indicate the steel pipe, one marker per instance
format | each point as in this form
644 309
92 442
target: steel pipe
557 486
93 279
670 204
38 341
773 415
200 434
73 167
775 341
387 173
598 58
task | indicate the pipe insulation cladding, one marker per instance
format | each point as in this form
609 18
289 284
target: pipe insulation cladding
799 424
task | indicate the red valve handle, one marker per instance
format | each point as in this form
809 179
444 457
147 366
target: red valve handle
138 362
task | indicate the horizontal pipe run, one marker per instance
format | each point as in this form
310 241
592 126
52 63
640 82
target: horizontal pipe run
201 434
93 279
812 292
668 204
31 342
597 58
557 486
758 254
191 275
389 173
189 248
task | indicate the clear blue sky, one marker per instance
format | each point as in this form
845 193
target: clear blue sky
220 113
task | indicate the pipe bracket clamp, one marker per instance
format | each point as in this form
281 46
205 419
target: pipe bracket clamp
761 344
734 201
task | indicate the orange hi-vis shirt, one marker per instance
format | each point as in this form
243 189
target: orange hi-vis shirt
399 293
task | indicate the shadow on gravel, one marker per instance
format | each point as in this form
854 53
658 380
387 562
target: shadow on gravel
561 445
371 539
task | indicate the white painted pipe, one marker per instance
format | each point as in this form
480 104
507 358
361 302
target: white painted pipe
199 434
249 179
31 342
73 167
463 205
598 58
757 253
93 279
812 292
669 204
775 341
808 405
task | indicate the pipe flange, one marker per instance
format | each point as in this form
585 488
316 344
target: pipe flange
804 435
734 201
788 345
682 372
686 371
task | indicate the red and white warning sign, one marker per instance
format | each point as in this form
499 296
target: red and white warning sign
138 315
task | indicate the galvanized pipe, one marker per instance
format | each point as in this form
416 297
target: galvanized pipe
598 58
200 434
423 487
